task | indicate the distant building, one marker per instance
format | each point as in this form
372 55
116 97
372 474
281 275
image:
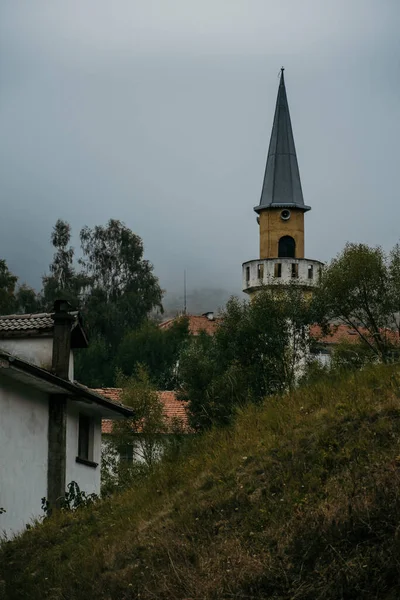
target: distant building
281 214
175 411
142 446
206 322
50 426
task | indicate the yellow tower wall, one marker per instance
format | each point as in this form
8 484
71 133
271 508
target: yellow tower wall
272 228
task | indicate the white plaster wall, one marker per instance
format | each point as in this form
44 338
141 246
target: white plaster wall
88 478
286 277
38 351
23 454
323 358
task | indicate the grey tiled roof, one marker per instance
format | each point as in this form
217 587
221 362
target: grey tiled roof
10 324
14 323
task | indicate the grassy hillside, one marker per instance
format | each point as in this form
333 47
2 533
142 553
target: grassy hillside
299 500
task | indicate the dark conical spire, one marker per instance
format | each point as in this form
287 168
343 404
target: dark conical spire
282 186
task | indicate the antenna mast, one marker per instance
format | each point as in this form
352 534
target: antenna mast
184 293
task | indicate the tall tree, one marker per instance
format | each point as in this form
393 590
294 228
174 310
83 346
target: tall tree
8 282
123 287
112 284
63 280
155 348
361 288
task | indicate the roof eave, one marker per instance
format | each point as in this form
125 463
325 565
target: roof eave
65 386
262 207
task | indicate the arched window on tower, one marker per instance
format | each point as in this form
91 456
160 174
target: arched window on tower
287 247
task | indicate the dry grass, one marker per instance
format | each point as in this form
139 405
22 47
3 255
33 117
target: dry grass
299 500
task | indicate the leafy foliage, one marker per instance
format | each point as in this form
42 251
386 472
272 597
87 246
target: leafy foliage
351 357
122 290
111 284
27 300
63 281
115 289
120 278
155 348
74 498
8 282
128 457
361 287
255 352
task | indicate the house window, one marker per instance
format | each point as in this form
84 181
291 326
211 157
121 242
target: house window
247 274
260 271
278 270
125 452
84 437
295 270
310 272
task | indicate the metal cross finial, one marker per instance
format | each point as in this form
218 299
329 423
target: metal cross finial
282 69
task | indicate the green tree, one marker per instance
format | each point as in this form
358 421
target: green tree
13 299
157 349
351 357
8 283
361 288
63 281
123 287
112 285
138 441
94 366
256 351
27 300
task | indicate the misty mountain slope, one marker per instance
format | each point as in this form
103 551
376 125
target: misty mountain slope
299 499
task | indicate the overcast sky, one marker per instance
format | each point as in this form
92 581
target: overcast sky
159 112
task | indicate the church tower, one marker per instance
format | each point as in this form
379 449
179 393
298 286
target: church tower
281 213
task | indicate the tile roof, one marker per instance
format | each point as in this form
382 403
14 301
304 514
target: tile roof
41 324
174 409
344 333
338 333
13 323
197 323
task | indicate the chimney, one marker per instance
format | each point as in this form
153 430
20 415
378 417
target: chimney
61 338
209 315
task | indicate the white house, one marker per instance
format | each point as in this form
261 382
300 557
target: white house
50 426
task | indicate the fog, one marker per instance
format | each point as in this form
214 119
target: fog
158 113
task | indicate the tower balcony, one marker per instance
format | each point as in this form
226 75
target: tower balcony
277 271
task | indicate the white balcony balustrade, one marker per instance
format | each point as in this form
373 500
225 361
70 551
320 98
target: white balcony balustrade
277 271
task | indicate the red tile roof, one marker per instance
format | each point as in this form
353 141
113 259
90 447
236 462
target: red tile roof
344 333
197 323
174 410
338 333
